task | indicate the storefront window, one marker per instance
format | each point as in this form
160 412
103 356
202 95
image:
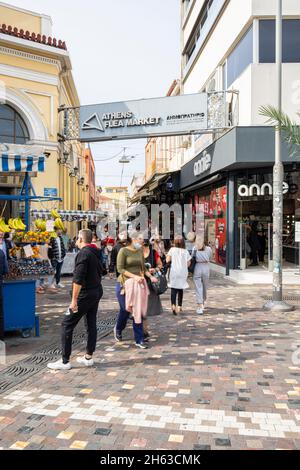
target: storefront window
214 204
255 208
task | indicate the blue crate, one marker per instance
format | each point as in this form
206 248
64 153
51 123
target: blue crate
19 300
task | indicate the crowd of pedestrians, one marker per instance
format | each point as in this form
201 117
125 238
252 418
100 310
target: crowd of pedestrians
144 269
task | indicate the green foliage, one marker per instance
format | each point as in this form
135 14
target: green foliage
281 121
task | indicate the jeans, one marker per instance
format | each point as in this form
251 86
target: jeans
174 294
57 266
88 302
123 317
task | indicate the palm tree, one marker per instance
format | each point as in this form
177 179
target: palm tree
281 121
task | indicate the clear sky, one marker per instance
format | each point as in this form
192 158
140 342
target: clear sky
120 50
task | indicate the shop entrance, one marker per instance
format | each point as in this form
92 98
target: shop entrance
255 231
255 234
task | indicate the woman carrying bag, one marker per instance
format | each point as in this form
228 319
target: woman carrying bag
131 283
154 264
202 254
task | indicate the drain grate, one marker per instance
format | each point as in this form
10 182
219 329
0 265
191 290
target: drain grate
291 298
32 365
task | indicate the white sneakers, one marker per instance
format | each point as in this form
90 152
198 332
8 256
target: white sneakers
200 311
59 365
60 285
85 362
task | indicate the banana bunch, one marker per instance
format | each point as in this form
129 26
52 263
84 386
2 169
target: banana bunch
59 224
40 225
16 224
3 227
55 214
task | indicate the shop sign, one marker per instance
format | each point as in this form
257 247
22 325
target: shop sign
203 164
256 190
50 192
174 115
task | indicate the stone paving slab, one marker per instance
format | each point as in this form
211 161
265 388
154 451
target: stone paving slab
227 380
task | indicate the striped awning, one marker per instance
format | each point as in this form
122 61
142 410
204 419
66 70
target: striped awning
11 162
70 216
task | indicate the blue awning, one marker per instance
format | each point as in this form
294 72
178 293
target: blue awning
17 163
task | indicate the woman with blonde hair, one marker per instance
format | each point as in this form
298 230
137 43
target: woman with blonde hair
202 254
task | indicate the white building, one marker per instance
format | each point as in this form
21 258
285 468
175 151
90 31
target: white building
230 45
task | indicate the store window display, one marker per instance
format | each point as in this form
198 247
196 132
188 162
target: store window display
214 205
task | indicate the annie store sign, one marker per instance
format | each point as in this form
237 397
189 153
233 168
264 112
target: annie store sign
256 190
203 164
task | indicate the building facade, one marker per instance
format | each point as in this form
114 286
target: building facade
35 80
229 45
90 181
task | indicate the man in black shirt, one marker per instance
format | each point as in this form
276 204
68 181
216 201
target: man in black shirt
86 294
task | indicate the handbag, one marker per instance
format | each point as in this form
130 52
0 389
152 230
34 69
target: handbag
193 263
161 285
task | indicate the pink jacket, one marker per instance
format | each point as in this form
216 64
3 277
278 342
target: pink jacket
136 296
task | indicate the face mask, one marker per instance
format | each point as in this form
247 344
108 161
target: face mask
137 246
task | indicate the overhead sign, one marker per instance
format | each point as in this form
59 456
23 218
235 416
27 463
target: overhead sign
172 115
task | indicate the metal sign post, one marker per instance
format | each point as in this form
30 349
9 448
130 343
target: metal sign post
277 303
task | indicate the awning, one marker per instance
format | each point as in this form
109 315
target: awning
70 216
11 162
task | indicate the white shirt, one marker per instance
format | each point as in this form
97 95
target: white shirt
58 241
179 268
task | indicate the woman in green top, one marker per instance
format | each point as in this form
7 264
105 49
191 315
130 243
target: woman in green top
130 265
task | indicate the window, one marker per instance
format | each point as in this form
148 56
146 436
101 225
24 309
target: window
12 127
204 16
267 41
224 76
290 42
240 58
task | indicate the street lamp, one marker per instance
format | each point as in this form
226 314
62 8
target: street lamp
277 303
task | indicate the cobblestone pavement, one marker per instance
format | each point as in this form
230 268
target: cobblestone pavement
227 380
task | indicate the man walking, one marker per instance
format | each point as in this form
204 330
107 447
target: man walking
86 294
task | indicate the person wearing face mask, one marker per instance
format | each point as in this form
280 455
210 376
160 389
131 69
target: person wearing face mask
153 261
121 243
131 267
86 294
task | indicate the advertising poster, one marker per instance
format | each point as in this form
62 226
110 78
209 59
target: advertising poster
210 231
221 241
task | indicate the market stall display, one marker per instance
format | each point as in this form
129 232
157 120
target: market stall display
26 266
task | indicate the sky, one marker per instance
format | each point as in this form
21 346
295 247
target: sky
120 50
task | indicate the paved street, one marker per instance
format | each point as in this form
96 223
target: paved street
222 381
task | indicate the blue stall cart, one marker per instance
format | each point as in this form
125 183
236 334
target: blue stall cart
19 307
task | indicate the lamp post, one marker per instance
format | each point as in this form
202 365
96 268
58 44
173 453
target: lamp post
277 303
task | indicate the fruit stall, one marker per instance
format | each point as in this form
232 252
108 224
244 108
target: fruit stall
27 261
91 218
